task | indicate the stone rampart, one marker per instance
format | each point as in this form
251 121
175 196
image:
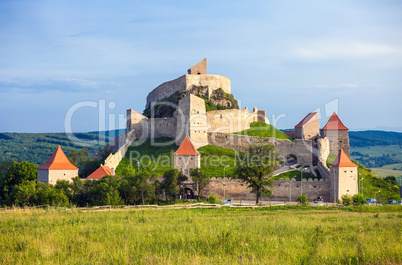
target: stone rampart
233 120
186 82
281 190
113 160
300 148
324 171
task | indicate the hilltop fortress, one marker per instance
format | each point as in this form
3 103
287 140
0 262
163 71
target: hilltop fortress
198 109
190 116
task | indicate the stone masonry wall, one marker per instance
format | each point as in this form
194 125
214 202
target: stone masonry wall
233 120
186 82
302 149
238 190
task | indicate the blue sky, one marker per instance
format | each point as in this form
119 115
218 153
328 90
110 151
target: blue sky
286 57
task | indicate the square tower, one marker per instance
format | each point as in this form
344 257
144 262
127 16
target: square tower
337 134
192 120
343 177
187 157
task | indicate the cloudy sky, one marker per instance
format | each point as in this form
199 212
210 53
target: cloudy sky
89 61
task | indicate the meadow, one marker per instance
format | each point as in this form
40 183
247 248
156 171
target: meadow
289 235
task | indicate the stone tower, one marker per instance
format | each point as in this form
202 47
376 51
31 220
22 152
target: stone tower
58 167
309 127
337 134
192 120
187 157
343 177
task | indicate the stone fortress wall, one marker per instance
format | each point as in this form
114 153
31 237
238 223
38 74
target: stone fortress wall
300 148
186 82
197 76
237 190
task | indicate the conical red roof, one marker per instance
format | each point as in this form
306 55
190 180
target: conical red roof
342 160
187 148
334 123
58 160
100 173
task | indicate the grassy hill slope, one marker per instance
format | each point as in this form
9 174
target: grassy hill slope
260 129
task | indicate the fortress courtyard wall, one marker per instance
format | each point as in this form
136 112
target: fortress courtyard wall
232 120
302 149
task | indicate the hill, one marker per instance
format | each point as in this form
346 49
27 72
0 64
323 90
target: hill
374 138
38 147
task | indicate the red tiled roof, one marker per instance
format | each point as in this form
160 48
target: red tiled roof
334 123
342 160
306 119
187 148
58 160
100 173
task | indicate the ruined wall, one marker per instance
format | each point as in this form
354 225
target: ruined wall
338 139
233 120
237 190
133 117
198 69
302 149
290 133
186 82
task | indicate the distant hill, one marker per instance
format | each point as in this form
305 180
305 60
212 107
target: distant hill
38 147
374 138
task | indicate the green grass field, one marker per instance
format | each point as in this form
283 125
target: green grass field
382 172
264 130
201 236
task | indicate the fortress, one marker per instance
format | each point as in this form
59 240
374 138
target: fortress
177 109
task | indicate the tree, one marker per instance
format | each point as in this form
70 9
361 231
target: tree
200 178
256 168
15 175
170 183
105 191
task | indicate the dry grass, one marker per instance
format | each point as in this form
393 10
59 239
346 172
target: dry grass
212 236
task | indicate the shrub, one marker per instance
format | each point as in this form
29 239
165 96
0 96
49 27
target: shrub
358 199
347 199
213 199
302 198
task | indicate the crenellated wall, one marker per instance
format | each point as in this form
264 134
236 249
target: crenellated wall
281 189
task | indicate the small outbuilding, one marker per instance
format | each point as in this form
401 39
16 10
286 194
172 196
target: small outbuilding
58 167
